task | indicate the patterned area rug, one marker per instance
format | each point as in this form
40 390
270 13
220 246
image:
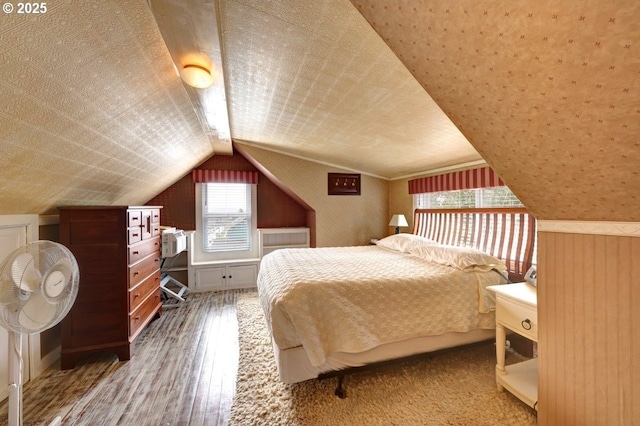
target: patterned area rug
456 387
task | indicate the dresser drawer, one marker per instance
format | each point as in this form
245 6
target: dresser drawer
143 290
141 270
155 216
142 316
141 250
134 218
134 235
517 317
155 229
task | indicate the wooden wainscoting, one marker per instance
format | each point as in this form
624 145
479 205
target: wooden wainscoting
589 314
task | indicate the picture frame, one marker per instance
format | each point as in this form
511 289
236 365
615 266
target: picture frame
343 184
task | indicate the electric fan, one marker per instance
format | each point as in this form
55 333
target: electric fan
38 285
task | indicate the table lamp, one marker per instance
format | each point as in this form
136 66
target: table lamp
398 220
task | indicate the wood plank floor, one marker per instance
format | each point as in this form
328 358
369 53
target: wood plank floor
183 373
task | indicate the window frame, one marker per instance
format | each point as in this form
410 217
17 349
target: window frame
200 255
480 199
219 219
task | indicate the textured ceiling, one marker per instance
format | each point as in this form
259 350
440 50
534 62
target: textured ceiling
92 110
190 31
547 91
312 78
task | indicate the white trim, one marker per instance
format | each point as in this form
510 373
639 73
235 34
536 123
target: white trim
29 221
18 230
453 168
300 157
199 256
628 229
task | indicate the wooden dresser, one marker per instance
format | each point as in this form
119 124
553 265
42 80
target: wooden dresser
118 252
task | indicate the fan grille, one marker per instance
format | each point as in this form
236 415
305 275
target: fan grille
38 285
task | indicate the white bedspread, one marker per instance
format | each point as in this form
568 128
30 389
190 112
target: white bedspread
352 299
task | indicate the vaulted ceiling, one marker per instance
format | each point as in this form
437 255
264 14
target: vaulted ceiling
548 93
312 78
91 110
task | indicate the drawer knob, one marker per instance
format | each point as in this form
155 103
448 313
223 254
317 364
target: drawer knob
526 324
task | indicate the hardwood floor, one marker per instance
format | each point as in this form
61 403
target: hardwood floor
183 373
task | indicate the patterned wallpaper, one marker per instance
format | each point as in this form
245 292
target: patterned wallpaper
341 220
548 92
400 201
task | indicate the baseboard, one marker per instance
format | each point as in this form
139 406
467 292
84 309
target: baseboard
38 364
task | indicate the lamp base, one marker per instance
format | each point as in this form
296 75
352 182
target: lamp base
397 229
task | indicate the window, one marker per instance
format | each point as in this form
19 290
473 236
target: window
226 217
500 196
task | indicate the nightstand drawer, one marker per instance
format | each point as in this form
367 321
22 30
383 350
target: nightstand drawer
516 317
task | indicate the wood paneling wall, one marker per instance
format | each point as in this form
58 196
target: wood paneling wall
589 335
275 208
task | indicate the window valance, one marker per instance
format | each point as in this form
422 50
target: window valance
484 177
224 176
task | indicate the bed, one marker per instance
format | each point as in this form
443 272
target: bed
336 308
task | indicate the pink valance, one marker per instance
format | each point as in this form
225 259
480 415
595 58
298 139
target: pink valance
484 177
224 176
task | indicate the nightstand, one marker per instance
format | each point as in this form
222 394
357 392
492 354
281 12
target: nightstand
517 310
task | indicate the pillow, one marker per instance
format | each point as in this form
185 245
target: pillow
467 259
405 242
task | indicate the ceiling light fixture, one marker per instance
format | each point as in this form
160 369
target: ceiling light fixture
197 76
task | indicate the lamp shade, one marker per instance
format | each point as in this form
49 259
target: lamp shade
196 76
398 220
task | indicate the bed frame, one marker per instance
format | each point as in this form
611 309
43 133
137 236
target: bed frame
506 233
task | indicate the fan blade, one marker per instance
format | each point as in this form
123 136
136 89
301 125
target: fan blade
25 275
36 313
57 278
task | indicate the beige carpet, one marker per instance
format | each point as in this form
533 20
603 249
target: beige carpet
449 388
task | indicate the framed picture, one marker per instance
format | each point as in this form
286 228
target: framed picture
343 184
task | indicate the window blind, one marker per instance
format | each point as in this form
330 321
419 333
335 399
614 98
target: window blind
226 216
